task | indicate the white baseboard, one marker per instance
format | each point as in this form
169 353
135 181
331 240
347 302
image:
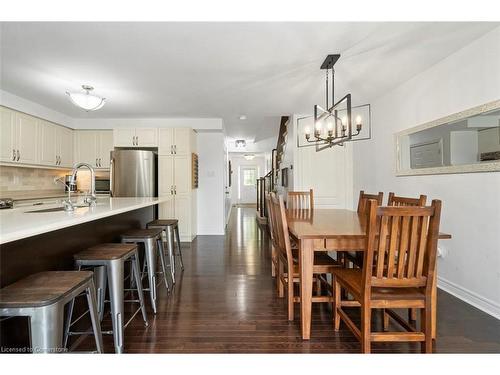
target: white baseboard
488 306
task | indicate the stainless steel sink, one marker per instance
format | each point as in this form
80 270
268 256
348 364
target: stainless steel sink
53 209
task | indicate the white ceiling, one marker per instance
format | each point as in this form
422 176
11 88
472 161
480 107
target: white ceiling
262 70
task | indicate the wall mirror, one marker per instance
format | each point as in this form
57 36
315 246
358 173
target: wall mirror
468 141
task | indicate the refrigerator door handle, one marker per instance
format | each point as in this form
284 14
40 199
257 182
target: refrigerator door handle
111 167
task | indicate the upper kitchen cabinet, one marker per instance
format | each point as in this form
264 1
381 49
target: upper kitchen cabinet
94 147
174 141
19 137
55 144
135 137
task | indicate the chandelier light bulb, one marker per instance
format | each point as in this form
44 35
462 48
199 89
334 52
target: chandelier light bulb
358 120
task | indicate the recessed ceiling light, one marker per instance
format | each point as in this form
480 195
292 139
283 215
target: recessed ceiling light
86 100
243 117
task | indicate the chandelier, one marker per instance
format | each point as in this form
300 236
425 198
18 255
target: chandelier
333 125
86 100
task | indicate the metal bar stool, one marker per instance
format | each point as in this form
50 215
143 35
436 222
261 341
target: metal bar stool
153 247
171 227
112 257
42 297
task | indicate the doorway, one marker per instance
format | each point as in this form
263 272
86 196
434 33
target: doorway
247 184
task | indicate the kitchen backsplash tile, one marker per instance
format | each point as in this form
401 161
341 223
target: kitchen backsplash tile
13 179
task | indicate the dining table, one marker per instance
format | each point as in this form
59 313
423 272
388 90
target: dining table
330 230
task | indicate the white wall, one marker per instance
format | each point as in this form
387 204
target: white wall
471 202
210 192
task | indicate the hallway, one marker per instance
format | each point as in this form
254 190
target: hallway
225 302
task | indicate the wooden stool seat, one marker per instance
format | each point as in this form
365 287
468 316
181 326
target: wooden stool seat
42 289
142 233
162 223
107 251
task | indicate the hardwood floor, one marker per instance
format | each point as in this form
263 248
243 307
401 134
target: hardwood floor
225 302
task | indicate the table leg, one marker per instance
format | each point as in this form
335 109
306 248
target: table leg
434 304
306 259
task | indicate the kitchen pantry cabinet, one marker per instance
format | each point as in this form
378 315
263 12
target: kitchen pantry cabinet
174 141
19 137
174 178
94 147
135 137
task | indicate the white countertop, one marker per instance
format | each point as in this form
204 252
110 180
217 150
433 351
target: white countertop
16 223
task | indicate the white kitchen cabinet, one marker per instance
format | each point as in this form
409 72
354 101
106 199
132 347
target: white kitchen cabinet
105 147
7 135
140 137
27 138
19 137
182 174
55 144
174 141
183 213
146 137
64 146
94 147
174 178
47 143
181 139
165 175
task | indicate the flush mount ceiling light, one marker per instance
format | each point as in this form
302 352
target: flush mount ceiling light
243 117
86 100
249 156
240 143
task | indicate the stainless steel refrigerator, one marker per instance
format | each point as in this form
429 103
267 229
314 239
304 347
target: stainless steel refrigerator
133 173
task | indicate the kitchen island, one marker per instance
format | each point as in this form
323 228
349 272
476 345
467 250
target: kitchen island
32 242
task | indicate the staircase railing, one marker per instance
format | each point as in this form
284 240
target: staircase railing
267 183
263 187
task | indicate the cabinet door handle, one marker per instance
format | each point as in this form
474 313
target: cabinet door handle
175 149
100 164
171 149
13 155
18 155
175 190
171 190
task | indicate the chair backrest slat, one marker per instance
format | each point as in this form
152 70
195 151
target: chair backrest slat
394 200
363 200
401 245
300 200
270 216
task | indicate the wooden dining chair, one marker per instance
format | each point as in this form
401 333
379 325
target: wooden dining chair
363 200
395 200
398 270
270 223
356 257
300 200
288 263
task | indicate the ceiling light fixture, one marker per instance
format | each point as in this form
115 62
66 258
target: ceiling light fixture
86 100
240 143
334 125
249 156
243 117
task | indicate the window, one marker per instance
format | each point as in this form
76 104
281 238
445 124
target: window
249 177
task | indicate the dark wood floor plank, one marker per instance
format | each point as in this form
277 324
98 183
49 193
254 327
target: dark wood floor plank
225 302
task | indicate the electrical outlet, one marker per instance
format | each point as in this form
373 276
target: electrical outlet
442 252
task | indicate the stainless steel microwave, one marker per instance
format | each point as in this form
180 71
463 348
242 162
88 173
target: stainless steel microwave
102 185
